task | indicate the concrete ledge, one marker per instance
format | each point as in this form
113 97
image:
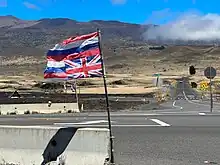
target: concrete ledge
28 145
7 109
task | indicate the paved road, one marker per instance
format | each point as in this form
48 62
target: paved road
154 119
149 138
183 133
167 145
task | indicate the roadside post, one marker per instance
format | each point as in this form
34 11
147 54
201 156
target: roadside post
210 74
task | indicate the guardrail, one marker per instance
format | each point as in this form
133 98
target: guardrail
42 145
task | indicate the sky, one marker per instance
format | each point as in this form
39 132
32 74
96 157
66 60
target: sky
178 19
133 11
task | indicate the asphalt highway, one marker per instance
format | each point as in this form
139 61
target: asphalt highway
149 138
183 133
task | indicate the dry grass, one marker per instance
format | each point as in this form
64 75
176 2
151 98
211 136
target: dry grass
126 72
118 90
130 84
20 60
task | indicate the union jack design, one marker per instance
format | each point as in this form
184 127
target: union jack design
85 67
78 58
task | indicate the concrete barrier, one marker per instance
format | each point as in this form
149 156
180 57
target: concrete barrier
29 145
38 108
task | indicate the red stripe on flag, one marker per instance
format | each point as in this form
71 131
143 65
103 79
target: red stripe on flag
78 38
87 53
84 69
55 75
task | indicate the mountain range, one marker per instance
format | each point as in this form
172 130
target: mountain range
54 30
23 44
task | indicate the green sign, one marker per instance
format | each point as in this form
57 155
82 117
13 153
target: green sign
157 74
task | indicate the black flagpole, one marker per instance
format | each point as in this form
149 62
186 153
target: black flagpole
107 101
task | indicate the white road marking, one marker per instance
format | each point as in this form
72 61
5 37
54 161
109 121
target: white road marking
192 101
124 114
98 124
163 124
134 125
84 123
203 114
113 125
178 113
160 113
176 106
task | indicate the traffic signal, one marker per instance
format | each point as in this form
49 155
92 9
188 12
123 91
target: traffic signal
193 85
192 70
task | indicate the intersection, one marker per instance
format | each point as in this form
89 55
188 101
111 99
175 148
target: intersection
180 132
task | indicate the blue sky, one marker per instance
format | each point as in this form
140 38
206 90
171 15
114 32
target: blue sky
135 11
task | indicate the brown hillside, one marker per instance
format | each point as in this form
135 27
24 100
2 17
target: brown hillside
23 45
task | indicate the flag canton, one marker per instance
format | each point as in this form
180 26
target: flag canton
84 67
76 57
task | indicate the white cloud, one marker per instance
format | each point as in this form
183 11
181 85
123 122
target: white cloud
189 26
3 3
30 5
119 1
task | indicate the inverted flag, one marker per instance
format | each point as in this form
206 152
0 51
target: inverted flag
74 58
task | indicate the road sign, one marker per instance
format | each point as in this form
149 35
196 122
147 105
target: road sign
157 74
204 85
192 70
210 72
193 85
158 82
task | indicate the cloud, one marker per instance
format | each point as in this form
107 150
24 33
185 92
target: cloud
188 26
30 5
118 2
3 3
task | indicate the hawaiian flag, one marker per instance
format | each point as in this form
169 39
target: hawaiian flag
75 57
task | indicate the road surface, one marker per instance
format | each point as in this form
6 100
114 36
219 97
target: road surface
149 138
183 133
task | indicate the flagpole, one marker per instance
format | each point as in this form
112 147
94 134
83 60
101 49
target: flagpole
107 101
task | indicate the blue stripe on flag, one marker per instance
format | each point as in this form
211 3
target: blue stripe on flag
72 50
55 70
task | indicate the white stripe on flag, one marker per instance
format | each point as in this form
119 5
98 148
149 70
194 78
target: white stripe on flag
55 64
90 41
61 46
80 44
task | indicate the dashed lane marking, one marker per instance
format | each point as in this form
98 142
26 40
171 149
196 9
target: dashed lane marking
176 106
163 124
98 123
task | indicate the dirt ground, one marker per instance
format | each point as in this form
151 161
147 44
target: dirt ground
126 73
116 83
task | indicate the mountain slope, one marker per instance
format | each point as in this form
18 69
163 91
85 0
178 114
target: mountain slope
23 45
44 33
